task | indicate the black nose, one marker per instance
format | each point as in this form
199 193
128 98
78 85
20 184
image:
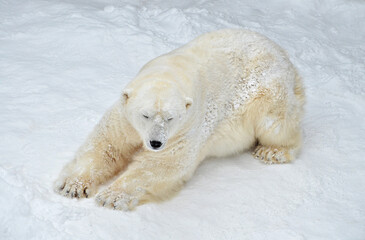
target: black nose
155 144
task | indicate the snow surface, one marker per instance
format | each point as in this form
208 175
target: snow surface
63 63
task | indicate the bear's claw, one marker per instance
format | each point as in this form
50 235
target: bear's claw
74 188
116 200
270 155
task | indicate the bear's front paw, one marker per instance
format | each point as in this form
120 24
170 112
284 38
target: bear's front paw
118 200
75 187
270 155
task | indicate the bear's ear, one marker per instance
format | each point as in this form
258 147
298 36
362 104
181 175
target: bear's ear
188 102
126 94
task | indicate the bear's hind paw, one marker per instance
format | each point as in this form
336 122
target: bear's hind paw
271 155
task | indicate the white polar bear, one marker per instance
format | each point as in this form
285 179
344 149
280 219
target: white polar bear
218 95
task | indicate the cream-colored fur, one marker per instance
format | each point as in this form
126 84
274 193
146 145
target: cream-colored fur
218 95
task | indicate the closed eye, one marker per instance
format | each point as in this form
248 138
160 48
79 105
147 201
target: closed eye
169 119
146 117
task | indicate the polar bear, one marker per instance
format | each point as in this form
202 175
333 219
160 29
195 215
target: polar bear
222 93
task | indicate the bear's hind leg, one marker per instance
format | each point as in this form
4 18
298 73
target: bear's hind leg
279 140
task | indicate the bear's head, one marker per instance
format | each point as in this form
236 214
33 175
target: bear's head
157 110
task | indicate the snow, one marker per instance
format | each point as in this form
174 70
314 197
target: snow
63 63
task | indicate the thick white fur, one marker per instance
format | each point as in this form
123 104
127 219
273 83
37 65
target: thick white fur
218 95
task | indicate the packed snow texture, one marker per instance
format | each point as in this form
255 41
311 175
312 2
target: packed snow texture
63 63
